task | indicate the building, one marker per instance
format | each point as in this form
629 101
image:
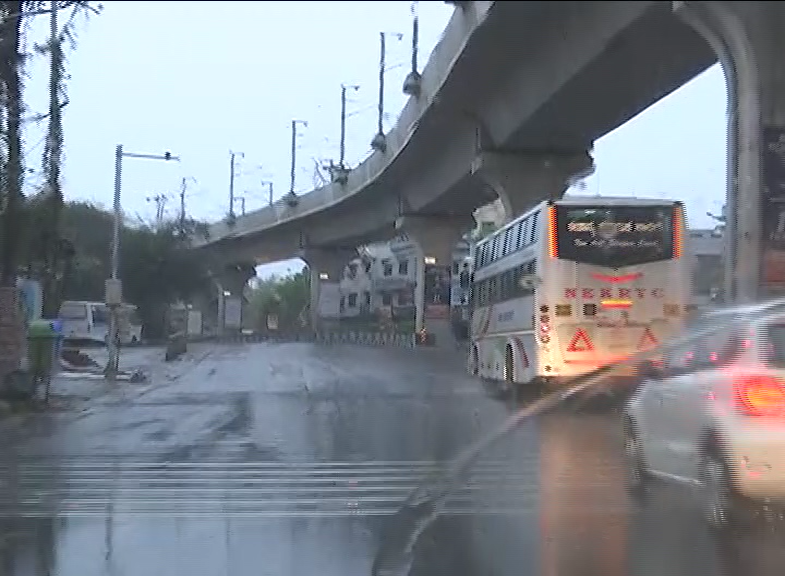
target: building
706 247
384 274
379 278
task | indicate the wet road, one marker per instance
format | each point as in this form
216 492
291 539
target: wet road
293 459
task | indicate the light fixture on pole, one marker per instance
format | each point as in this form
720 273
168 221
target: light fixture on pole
291 197
113 296
232 174
340 173
379 141
269 185
413 82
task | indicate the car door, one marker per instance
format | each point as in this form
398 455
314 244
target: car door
652 421
684 403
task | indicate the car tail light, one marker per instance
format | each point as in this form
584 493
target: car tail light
759 395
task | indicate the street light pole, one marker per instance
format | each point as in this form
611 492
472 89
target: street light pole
292 195
342 155
269 190
232 156
113 295
379 141
413 81
382 66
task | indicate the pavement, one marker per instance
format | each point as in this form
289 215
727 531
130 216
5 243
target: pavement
296 459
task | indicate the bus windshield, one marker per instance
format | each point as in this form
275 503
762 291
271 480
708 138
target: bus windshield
614 236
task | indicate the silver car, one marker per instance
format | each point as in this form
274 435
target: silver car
711 415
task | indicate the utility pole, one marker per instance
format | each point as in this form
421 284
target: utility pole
379 141
232 156
269 190
241 200
160 202
182 205
292 195
342 155
382 66
413 81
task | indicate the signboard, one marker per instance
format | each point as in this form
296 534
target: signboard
615 236
194 323
329 300
773 210
233 312
32 298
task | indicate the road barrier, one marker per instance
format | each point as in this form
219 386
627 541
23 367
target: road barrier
393 339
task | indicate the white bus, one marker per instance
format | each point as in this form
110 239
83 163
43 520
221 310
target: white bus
575 284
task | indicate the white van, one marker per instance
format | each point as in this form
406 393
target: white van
89 321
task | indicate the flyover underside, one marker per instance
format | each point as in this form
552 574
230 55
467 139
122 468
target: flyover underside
566 72
646 61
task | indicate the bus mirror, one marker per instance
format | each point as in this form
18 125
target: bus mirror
530 281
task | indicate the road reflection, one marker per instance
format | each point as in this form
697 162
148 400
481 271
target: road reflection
583 512
28 529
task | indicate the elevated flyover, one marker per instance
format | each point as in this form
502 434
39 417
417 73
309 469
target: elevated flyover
512 100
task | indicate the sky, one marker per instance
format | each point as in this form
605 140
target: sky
180 77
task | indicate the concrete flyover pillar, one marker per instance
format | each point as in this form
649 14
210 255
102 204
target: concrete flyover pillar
436 237
324 265
522 179
747 38
230 283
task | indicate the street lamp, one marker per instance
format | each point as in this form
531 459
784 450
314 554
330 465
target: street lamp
241 200
232 173
269 185
379 141
341 174
113 294
291 198
413 81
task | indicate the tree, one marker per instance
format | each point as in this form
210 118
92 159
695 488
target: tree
11 61
159 268
157 265
14 22
285 297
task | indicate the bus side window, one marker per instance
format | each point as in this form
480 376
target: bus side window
533 231
522 233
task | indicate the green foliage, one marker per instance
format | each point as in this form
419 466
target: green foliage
287 297
156 265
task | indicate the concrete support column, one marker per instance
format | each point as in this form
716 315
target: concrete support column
324 265
231 283
748 40
436 237
521 180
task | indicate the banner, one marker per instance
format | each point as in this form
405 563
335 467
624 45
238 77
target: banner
773 210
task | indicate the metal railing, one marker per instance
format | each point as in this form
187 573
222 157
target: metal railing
328 337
